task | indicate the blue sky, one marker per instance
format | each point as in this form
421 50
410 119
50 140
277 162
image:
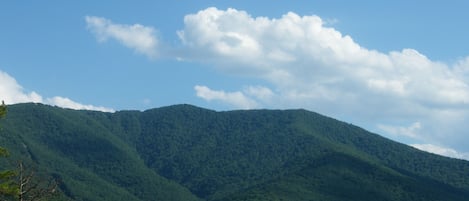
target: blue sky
397 68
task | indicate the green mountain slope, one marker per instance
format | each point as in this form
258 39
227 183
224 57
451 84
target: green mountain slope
184 152
92 162
342 177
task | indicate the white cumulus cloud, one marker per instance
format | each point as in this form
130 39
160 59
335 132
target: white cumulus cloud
301 53
11 92
138 37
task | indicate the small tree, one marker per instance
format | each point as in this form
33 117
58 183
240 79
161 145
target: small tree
3 110
32 187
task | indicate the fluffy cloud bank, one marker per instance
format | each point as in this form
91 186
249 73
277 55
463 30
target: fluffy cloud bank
318 62
306 63
11 92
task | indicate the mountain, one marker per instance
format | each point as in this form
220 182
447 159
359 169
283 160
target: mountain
183 152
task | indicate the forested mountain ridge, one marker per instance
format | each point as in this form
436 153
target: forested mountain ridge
184 152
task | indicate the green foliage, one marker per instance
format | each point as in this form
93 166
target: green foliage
187 153
8 187
3 152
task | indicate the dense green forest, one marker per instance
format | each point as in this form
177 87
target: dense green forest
183 152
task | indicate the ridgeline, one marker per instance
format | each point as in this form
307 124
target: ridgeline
183 152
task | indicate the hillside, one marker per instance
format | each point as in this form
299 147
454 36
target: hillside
184 152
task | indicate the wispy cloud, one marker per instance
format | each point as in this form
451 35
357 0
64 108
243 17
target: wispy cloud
237 99
12 92
411 131
441 151
141 38
260 92
67 103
